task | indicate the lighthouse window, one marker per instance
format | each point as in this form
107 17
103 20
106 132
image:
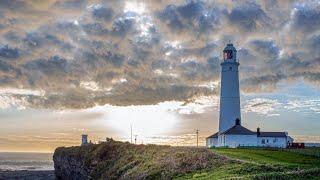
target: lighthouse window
227 54
230 68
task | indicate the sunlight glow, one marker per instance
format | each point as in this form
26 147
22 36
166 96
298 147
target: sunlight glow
147 120
134 6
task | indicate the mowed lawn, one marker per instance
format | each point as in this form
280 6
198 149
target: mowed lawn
263 164
271 156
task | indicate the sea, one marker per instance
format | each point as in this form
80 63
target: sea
17 161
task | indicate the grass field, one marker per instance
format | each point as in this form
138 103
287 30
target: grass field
264 164
307 151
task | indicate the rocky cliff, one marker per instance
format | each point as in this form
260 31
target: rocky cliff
119 160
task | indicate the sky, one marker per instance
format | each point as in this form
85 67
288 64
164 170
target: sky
99 67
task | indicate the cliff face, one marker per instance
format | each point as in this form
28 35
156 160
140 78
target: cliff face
70 166
118 160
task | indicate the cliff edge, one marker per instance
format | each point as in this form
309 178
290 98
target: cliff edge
120 160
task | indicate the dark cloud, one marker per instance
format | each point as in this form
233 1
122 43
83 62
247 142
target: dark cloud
162 64
313 43
265 48
8 52
12 36
306 17
194 16
71 4
95 29
264 83
9 69
249 17
158 93
102 13
46 41
50 66
191 10
124 23
170 17
12 4
115 59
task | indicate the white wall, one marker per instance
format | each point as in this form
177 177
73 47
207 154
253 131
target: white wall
241 140
234 141
229 96
280 142
211 142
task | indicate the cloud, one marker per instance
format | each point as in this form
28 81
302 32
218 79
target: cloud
262 83
8 52
166 51
71 4
50 66
17 98
309 106
193 16
12 4
249 17
102 13
199 105
124 23
267 48
305 17
262 106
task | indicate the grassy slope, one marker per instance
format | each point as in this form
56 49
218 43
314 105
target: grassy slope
118 160
263 163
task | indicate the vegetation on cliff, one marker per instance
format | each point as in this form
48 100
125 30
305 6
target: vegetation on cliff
119 160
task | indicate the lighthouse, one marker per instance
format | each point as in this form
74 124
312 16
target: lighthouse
231 133
229 94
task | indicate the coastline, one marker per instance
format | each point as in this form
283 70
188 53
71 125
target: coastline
27 174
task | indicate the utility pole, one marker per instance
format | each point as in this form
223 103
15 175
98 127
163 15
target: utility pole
197 132
135 139
131 132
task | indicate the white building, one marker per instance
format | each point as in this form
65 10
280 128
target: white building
231 133
84 139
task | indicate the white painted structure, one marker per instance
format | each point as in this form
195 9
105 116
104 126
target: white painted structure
231 133
84 139
229 94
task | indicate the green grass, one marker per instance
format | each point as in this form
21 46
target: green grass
307 151
270 156
262 164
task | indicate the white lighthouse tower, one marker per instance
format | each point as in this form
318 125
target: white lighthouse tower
231 133
229 94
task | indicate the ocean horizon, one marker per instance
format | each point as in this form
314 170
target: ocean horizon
30 161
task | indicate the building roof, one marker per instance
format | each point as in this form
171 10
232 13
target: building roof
230 47
215 135
273 134
239 130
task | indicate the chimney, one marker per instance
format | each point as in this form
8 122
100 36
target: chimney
237 121
258 131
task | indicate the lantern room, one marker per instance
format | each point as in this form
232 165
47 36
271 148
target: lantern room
229 53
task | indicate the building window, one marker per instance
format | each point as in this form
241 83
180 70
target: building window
227 55
267 140
263 141
230 68
275 140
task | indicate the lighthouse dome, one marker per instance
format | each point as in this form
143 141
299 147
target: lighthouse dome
229 47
